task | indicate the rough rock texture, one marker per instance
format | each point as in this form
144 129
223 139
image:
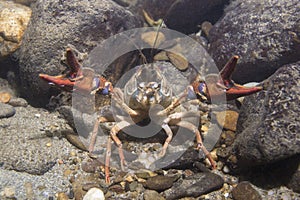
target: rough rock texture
194 186
13 22
159 183
268 125
6 110
54 25
25 145
245 190
186 15
25 2
265 34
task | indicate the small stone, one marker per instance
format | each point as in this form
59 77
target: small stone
133 186
94 194
9 192
4 97
159 183
72 153
226 169
6 110
62 196
13 22
37 115
116 188
18 102
205 27
75 140
227 119
129 178
49 144
91 166
67 172
153 37
143 173
152 194
29 190
244 190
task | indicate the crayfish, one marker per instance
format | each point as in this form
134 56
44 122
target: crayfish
148 95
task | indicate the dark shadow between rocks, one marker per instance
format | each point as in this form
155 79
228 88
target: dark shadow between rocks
272 175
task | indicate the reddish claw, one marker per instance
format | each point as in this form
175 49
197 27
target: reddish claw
217 85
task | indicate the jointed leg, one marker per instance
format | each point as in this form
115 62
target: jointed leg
113 133
107 159
200 145
95 132
169 133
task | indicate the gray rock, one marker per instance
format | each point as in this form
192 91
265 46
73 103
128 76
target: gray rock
6 110
18 102
24 144
159 183
268 125
152 194
54 25
28 186
194 186
245 190
263 33
13 19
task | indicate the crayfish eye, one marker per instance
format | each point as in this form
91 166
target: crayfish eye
141 85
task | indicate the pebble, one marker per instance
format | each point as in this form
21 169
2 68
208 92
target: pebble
144 173
9 192
159 183
226 169
6 111
116 188
91 165
4 97
244 190
152 194
18 102
29 190
13 19
227 119
62 196
75 140
94 194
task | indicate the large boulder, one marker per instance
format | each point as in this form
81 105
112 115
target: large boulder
54 25
263 33
268 125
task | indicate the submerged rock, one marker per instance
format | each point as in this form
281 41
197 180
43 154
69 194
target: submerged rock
245 190
6 110
13 22
54 25
268 125
24 144
265 34
194 186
